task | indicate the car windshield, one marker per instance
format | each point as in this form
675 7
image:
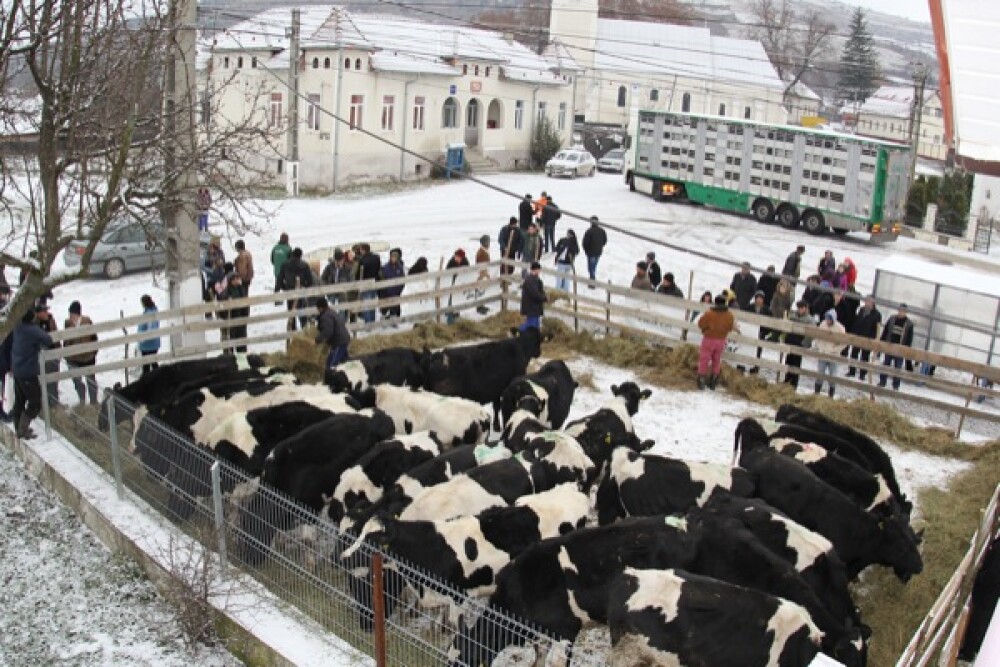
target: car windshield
573 157
616 154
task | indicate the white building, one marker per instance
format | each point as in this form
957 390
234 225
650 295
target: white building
419 85
654 66
886 115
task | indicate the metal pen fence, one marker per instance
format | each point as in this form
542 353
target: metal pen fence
286 547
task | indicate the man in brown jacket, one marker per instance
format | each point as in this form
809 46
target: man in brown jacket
78 319
243 264
715 325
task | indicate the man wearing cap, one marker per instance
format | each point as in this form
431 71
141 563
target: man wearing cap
800 315
866 324
532 299
898 330
29 340
333 332
653 269
594 240
829 347
84 385
745 285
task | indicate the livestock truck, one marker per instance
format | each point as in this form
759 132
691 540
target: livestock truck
794 176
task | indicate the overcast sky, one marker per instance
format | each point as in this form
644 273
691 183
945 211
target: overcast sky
911 9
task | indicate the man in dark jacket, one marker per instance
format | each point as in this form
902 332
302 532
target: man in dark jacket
369 267
6 352
759 307
866 323
800 315
29 340
392 269
653 269
333 332
525 212
336 272
532 299
745 285
510 241
295 274
768 283
898 330
846 305
550 215
669 287
793 263
594 240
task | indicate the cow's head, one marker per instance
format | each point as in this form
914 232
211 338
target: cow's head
382 426
631 394
899 548
851 648
532 404
530 342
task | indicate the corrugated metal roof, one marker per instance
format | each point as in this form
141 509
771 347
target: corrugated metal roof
895 101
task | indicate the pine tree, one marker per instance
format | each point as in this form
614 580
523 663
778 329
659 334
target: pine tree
859 66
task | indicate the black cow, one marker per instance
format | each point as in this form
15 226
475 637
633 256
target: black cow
879 461
860 538
305 467
649 484
563 584
481 372
399 366
672 617
611 426
552 385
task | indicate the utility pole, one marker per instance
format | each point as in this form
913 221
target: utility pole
916 111
293 104
180 163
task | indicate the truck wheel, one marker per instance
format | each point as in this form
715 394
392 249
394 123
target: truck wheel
763 211
813 222
657 191
841 232
788 216
631 182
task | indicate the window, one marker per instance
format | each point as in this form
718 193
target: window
276 112
686 103
746 112
357 64
418 113
622 92
487 72
315 63
239 63
388 112
326 63
477 70
347 63
541 111
357 111
253 62
722 109
225 63
561 122
654 95
312 112
206 107
465 69
519 114
449 113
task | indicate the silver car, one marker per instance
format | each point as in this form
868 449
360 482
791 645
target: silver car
124 247
572 163
613 160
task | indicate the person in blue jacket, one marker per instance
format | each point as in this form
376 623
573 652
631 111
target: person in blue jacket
149 346
392 269
29 340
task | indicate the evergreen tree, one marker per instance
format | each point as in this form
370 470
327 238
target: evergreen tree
859 66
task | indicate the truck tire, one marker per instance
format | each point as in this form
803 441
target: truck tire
630 179
657 191
788 216
763 211
813 222
841 232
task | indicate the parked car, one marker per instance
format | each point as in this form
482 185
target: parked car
571 163
126 245
613 160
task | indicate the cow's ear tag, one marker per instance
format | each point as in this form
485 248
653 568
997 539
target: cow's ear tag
676 522
607 438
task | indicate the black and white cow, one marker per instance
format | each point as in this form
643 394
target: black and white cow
563 584
449 419
522 424
398 366
305 467
860 538
672 617
648 484
364 483
611 426
879 460
827 441
552 384
466 551
481 372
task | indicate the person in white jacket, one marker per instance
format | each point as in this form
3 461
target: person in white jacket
831 348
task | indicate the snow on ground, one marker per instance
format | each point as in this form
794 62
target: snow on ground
100 615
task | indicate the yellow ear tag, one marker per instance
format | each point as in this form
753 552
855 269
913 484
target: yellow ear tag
607 438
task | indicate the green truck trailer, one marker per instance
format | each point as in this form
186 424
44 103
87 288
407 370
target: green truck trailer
794 176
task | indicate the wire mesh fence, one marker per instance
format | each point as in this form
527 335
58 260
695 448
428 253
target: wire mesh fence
302 559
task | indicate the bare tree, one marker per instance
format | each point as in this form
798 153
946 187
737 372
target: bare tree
82 134
794 42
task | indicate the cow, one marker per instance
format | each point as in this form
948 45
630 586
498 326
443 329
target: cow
879 461
860 538
481 372
305 467
466 551
827 441
366 481
611 426
552 385
522 424
563 584
398 366
672 617
647 484
449 419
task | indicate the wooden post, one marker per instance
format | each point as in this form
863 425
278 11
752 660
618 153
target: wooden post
687 313
378 609
576 302
437 293
607 311
961 416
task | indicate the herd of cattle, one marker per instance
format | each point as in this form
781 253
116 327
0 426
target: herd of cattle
564 525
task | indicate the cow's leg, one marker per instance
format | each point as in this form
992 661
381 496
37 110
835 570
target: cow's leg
496 415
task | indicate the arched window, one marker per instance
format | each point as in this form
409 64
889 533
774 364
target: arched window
326 63
357 64
622 92
686 103
722 109
449 113
347 63
654 95
315 63
465 69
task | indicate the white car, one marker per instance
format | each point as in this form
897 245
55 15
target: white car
571 163
613 160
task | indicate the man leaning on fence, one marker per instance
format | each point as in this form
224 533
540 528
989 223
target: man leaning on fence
29 340
84 385
898 330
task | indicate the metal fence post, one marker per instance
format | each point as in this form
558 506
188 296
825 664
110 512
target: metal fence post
116 459
576 301
607 312
378 609
220 520
46 410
